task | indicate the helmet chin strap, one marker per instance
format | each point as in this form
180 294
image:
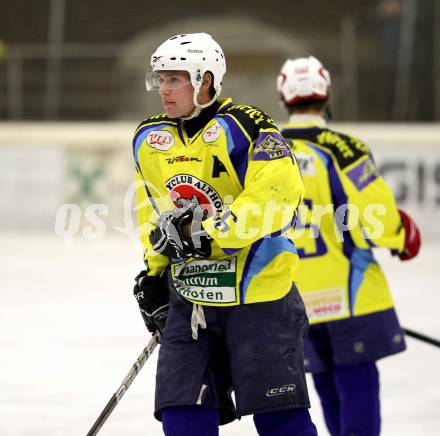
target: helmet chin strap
198 107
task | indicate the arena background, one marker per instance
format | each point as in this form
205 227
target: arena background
71 94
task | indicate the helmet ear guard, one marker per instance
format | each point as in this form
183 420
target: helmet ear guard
303 79
196 53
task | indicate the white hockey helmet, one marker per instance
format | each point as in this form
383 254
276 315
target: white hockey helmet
303 79
195 53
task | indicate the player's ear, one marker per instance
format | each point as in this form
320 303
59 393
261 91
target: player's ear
208 84
207 81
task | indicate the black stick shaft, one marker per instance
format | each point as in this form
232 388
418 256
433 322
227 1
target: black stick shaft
108 409
422 337
128 380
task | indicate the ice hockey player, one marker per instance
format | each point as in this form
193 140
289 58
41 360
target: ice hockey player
348 209
218 189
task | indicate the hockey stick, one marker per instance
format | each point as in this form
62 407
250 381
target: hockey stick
422 337
128 380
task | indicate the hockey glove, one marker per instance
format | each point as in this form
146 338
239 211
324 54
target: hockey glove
168 238
412 237
152 295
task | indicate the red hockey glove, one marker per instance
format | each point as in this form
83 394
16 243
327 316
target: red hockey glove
412 237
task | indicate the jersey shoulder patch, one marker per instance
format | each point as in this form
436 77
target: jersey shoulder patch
251 119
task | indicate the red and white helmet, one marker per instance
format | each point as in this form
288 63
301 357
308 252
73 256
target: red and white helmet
303 79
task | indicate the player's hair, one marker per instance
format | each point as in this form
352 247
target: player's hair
305 105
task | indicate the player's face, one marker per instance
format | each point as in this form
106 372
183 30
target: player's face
176 92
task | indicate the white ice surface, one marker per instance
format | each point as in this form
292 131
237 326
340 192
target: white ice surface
70 331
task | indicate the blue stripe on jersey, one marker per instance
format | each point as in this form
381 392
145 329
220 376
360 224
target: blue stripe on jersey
153 203
261 254
149 126
284 229
238 145
321 154
230 251
368 240
180 130
338 194
247 265
359 262
142 134
226 128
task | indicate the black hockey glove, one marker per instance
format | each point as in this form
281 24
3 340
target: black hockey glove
152 296
168 239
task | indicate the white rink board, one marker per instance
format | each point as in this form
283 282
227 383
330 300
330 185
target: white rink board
71 331
91 163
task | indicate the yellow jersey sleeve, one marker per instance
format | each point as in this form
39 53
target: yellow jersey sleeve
272 190
377 213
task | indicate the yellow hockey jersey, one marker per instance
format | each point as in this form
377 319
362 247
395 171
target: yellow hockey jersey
240 170
348 209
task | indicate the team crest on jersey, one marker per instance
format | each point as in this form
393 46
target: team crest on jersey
160 139
306 163
270 147
213 133
185 189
